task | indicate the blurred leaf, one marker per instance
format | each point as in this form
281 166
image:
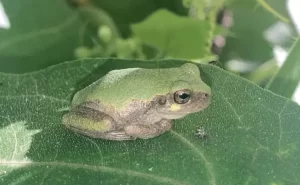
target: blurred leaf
177 36
264 72
126 12
42 33
287 78
251 20
252 137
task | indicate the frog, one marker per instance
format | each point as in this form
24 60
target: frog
137 103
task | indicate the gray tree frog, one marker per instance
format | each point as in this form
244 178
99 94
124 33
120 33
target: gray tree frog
137 103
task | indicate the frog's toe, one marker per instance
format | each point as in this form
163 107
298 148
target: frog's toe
116 135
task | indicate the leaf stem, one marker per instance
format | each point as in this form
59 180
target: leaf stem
265 5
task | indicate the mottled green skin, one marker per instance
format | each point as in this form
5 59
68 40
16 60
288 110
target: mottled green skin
120 87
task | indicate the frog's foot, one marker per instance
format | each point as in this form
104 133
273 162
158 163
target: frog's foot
93 123
148 131
114 135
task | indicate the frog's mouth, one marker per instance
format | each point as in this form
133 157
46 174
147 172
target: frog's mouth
173 115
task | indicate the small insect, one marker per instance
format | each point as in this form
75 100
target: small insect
200 133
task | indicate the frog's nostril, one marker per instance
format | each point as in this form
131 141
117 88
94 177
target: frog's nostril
206 95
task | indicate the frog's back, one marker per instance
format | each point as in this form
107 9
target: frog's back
118 87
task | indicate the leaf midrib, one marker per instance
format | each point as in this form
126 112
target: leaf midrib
93 168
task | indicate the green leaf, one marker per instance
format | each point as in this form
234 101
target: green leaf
252 134
126 12
287 78
42 33
251 19
167 31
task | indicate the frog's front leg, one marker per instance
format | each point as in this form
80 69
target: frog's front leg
91 122
148 131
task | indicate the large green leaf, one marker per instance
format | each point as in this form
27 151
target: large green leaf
252 134
42 33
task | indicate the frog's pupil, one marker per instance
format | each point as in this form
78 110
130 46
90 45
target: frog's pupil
184 96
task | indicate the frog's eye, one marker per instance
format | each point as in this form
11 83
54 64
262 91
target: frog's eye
182 96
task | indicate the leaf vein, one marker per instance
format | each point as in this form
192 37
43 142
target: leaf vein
280 126
199 153
98 148
94 168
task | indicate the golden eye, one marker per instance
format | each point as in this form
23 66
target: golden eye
182 96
